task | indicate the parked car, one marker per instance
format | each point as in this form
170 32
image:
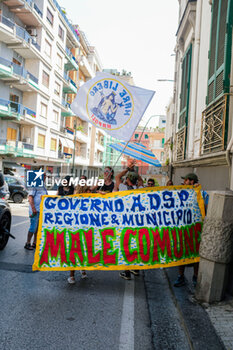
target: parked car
5 216
17 190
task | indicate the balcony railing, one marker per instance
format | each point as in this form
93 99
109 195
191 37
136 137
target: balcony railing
38 10
15 146
213 126
18 70
10 108
180 144
66 20
7 21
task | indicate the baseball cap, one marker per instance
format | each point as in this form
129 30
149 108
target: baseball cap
133 177
190 176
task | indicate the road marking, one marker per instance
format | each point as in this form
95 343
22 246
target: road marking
20 223
126 341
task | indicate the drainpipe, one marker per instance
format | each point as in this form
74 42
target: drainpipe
196 66
228 151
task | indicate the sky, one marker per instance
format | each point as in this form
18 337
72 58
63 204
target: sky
134 35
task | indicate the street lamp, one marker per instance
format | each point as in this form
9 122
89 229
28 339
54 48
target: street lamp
156 115
170 80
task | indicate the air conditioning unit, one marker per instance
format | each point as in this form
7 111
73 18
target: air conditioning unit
32 31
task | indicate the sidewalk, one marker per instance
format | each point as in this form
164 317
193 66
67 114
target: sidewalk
221 316
186 322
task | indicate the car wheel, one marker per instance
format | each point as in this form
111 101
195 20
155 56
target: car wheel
18 198
4 230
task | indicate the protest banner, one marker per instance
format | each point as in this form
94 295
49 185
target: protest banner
108 102
135 229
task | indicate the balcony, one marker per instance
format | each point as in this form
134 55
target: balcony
72 63
28 12
69 86
25 45
76 37
66 110
16 148
81 136
14 111
180 144
85 67
10 110
18 38
213 128
17 76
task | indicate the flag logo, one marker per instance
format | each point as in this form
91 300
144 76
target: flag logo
35 178
109 104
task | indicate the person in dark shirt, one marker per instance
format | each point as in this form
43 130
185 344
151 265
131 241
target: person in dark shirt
108 181
66 190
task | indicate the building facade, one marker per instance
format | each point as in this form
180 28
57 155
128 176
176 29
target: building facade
43 61
199 118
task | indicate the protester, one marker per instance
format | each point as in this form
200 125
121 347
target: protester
169 183
34 198
150 183
108 185
79 189
131 183
66 190
190 179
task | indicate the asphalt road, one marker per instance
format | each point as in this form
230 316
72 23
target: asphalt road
40 310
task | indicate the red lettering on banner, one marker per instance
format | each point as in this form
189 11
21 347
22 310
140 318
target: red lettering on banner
130 256
54 247
90 240
188 239
76 248
143 232
197 231
109 259
109 126
163 244
174 235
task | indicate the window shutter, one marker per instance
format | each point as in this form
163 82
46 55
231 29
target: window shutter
185 87
219 45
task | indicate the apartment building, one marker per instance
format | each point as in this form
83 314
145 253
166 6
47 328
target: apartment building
200 115
43 61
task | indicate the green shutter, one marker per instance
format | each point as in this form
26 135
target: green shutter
185 88
220 49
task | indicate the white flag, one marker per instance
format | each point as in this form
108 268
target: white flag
112 105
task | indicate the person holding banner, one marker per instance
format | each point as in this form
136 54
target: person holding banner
108 182
131 183
79 189
190 179
34 198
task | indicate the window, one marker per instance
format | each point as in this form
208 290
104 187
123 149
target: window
136 136
57 89
59 61
49 16
55 116
161 156
185 88
157 144
45 79
61 33
11 134
146 136
48 48
53 145
220 50
41 141
162 142
43 110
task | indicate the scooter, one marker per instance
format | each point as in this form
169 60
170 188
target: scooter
5 215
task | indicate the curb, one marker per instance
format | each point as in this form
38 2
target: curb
197 325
